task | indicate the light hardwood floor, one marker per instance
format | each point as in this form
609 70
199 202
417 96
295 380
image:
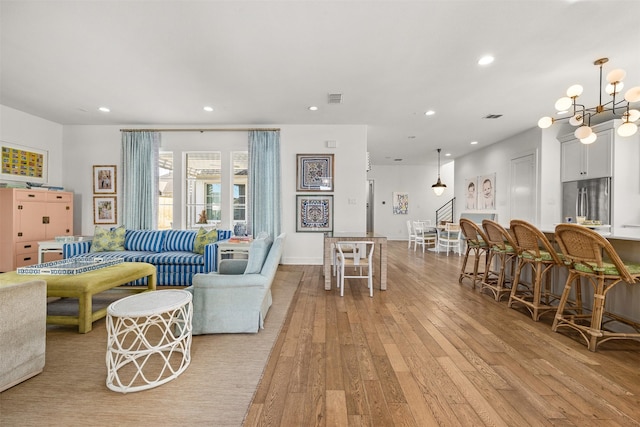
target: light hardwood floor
429 351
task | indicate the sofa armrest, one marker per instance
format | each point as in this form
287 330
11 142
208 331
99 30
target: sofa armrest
76 248
232 266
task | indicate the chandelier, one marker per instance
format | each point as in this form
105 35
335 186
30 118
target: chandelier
438 187
581 116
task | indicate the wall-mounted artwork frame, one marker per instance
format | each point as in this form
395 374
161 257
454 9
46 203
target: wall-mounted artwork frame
314 172
20 163
487 192
314 213
104 179
471 191
400 203
105 210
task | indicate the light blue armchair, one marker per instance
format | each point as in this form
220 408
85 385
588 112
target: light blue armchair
237 297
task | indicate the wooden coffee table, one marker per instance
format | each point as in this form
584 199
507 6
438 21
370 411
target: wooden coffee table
85 285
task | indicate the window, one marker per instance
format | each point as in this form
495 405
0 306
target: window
240 167
203 189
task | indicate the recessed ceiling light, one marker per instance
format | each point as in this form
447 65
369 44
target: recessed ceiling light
429 113
474 142
313 108
486 60
207 108
447 155
104 109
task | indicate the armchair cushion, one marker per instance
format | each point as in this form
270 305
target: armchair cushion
257 254
108 240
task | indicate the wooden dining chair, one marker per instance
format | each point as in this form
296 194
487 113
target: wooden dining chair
425 234
412 233
362 258
450 238
590 256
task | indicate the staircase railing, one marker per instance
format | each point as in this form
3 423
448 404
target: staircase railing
446 212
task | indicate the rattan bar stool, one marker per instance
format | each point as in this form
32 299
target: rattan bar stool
537 253
591 257
477 246
502 256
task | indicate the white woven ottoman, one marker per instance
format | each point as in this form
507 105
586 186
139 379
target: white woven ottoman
148 339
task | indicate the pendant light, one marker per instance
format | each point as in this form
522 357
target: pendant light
438 187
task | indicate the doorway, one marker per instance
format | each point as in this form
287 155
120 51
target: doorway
524 189
370 206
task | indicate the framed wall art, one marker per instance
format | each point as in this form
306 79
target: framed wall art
104 179
314 213
400 203
471 188
486 191
104 210
314 172
23 163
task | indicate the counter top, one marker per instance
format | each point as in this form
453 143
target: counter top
615 233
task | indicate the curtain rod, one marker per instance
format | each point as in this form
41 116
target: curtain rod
201 130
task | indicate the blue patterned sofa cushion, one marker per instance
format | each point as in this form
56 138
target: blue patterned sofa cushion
144 240
179 240
174 258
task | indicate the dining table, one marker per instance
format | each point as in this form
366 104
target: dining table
331 238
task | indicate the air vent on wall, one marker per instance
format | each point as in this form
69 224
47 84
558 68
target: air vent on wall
493 116
335 98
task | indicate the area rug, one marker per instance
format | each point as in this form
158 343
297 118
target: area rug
216 389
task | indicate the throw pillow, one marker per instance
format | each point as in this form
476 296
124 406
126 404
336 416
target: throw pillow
203 238
144 240
179 240
258 254
108 240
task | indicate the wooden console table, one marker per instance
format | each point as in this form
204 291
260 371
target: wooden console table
381 241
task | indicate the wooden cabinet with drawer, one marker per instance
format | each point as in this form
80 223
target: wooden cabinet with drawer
28 216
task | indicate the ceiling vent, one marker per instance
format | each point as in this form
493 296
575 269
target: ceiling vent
335 98
493 116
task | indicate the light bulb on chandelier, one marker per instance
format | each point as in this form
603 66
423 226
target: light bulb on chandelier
581 115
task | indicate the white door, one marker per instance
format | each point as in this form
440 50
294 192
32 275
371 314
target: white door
524 189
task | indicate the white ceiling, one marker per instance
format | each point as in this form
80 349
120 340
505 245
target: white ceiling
264 62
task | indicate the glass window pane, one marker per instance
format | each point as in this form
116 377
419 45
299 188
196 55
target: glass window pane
240 167
203 189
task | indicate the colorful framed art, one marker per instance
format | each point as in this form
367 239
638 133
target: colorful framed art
314 213
314 172
23 164
104 179
104 210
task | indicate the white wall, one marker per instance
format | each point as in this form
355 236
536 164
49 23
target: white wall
86 146
30 131
497 158
417 182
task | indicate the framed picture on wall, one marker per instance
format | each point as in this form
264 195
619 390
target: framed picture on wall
314 213
400 203
487 192
314 172
104 179
471 189
23 163
104 210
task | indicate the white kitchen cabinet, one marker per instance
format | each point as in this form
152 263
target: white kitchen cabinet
586 161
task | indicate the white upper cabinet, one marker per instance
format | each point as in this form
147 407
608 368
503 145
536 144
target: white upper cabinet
586 161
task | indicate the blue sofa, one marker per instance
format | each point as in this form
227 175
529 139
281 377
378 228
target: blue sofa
171 251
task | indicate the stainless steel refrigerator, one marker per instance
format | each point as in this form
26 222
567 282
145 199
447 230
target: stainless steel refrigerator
590 198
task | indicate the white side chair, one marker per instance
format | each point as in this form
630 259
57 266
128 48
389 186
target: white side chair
412 234
361 258
425 235
348 250
450 238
